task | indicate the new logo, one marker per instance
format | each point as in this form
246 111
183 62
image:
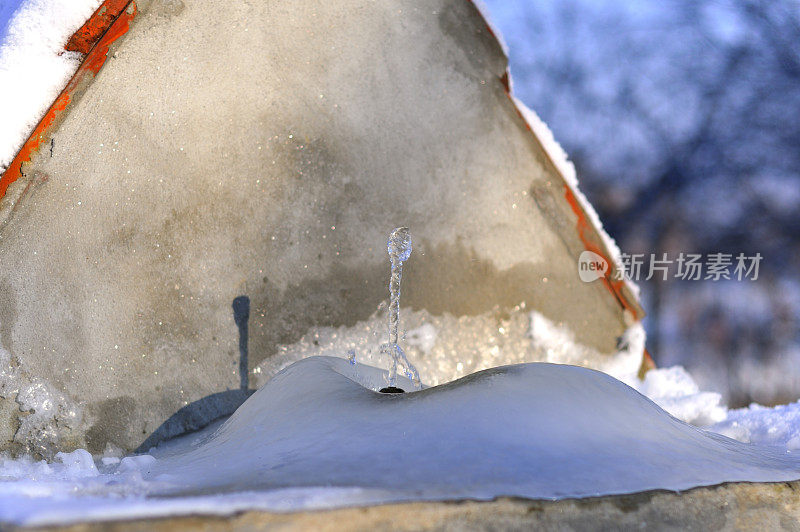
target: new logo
591 266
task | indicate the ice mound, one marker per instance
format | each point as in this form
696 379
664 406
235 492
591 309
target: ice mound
319 435
533 430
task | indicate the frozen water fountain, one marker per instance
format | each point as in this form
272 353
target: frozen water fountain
399 248
321 434
533 430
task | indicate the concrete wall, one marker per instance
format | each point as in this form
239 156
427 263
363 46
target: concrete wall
266 149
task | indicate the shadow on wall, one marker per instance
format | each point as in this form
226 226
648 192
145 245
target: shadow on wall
202 412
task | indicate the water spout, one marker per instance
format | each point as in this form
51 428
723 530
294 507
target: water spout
399 248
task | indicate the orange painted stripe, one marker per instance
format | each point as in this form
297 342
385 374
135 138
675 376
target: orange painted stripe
90 33
585 229
90 66
584 233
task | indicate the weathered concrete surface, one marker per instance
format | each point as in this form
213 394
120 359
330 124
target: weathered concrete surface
739 506
266 149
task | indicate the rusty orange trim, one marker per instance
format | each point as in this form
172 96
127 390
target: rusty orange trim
505 79
91 65
90 33
95 60
584 227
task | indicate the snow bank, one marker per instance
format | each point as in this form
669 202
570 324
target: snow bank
34 67
779 425
559 346
445 348
674 390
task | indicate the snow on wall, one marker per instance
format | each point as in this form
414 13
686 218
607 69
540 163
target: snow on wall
485 13
34 67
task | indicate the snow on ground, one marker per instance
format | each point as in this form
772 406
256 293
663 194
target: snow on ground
34 67
779 425
674 390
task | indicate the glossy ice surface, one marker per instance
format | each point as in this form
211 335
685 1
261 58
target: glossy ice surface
533 430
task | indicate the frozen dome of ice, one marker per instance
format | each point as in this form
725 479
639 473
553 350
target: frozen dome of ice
533 430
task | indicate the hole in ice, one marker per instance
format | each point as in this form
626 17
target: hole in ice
392 389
